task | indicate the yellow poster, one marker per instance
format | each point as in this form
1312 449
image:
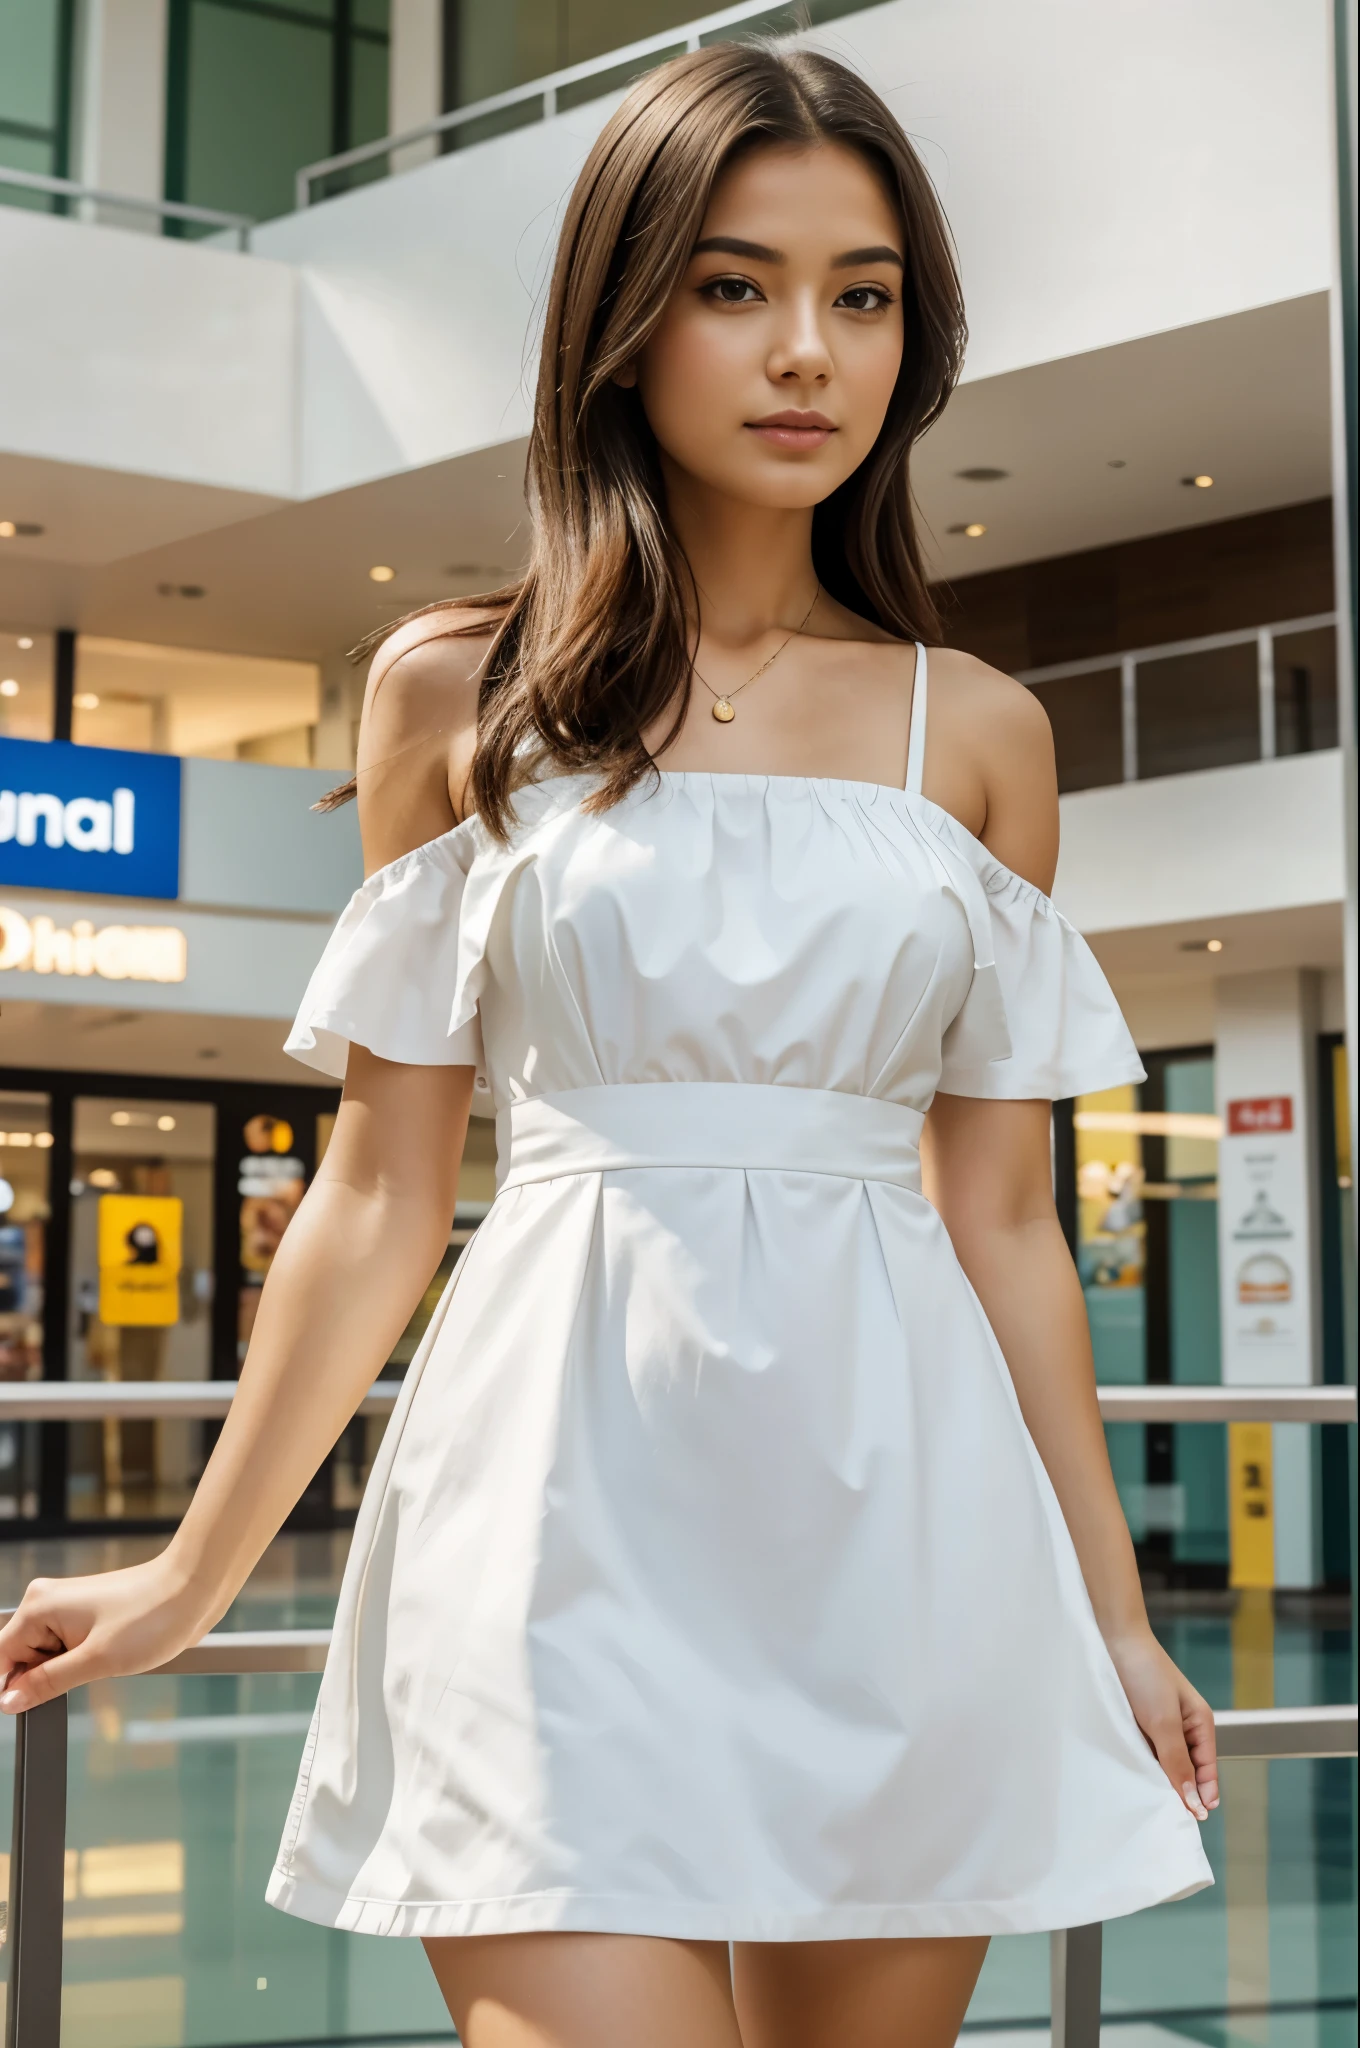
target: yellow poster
140 1239
1251 1504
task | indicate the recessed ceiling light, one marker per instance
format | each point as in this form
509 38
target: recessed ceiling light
165 1123
19 529
120 1117
85 700
24 641
180 590
973 531
1118 463
1201 945
9 688
381 574
982 475
7 529
209 1052
1202 482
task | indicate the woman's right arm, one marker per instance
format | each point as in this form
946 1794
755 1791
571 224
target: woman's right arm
352 1265
354 1262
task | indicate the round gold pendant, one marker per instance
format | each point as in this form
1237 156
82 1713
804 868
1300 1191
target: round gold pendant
723 712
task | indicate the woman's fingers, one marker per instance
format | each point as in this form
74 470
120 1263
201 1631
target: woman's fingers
1197 1721
1167 1737
47 1680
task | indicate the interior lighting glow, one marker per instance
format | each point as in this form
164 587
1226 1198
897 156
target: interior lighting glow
1151 1123
24 640
6 1197
165 1123
43 1140
381 574
1202 482
7 529
103 1177
1213 945
85 700
975 531
120 1116
9 688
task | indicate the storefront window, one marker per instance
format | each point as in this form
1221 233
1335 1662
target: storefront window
25 1155
1147 1250
141 1293
26 661
176 700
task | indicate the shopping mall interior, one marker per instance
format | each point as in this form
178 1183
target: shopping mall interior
273 271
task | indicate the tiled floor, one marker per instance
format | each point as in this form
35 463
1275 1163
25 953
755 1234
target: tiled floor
179 1789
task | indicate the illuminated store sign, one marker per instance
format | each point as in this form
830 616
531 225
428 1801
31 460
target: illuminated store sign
88 818
110 952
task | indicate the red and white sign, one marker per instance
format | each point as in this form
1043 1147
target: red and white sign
1261 1116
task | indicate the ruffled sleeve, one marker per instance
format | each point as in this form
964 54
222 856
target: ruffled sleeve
396 975
1064 1032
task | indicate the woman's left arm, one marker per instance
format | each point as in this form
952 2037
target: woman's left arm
989 1173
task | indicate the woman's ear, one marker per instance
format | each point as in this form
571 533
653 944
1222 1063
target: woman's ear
626 378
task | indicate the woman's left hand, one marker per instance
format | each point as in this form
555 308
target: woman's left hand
1178 1724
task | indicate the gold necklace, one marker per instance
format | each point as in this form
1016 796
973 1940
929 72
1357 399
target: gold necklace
723 709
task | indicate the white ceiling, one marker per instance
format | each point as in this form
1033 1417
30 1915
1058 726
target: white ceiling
1244 399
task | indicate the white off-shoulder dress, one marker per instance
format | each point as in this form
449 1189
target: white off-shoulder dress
708 1583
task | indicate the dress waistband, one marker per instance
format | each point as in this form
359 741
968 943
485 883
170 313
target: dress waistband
755 1127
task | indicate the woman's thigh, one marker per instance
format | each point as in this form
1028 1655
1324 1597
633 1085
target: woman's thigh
878 1994
586 1991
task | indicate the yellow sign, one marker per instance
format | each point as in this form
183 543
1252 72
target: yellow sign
1251 1504
140 1252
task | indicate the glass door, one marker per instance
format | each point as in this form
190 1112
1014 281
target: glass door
141 1292
25 1156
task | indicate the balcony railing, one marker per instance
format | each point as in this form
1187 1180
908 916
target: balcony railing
1210 702
521 106
88 197
37 1861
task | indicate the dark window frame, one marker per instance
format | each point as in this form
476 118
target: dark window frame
56 133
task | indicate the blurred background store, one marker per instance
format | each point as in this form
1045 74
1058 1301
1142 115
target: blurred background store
263 386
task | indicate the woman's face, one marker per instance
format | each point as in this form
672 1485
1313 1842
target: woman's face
770 373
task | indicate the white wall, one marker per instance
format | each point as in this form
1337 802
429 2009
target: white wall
1224 843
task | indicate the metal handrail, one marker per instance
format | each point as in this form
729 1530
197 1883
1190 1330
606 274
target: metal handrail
689 36
1167 650
210 1400
37 1861
240 224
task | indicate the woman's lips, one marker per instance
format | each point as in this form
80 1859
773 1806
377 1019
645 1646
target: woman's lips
793 430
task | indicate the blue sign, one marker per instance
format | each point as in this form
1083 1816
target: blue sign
91 819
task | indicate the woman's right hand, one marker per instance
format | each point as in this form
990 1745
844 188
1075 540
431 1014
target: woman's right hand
66 1632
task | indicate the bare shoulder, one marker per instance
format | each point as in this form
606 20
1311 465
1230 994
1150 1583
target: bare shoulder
418 732
990 740
431 664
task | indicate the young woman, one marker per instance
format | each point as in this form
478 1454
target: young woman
741 1626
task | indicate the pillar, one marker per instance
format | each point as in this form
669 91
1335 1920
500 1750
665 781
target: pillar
120 103
1266 1045
415 76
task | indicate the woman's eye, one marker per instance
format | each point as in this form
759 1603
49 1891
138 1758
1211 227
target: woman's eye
865 298
732 291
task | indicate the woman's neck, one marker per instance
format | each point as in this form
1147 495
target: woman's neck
752 564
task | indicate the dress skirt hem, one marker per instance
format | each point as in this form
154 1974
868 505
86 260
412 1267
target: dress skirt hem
675 1920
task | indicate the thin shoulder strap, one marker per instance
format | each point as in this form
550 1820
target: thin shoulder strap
916 740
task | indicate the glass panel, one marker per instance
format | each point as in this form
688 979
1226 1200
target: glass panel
1305 691
1111 1235
26 660
258 106
25 1156
178 700
1198 711
141 1292
1199 1450
271 1181
1086 715
34 42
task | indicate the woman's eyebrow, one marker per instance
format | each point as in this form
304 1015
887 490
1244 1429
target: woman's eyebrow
880 254
731 245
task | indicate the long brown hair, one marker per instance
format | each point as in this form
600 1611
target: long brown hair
593 645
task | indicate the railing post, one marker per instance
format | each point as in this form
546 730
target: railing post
36 1879
1074 1955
